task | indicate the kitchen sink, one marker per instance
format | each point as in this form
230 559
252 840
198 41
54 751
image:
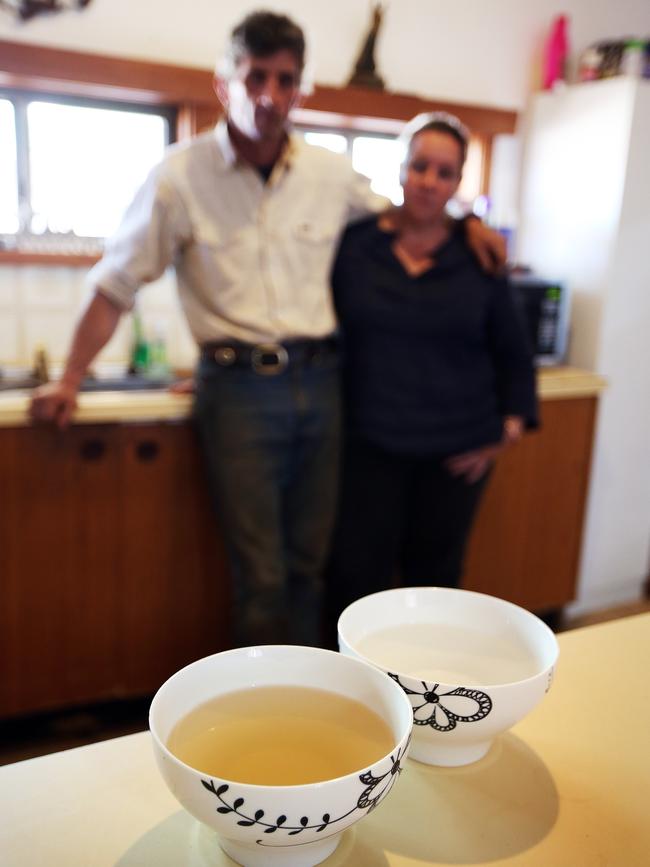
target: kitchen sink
11 384
123 383
126 383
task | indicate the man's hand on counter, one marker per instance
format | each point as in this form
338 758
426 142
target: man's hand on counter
53 402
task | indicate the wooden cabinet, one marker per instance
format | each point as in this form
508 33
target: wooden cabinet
112 573
526 541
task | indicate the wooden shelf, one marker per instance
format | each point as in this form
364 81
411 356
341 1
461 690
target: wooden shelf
53 70
38 68
385 107
189 93
65 260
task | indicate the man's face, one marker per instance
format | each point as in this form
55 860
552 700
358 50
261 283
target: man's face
261 93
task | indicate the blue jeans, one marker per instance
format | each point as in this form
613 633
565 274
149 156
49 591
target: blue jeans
272 447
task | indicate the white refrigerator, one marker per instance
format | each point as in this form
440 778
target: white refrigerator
584 218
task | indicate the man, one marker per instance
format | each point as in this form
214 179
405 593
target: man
250 218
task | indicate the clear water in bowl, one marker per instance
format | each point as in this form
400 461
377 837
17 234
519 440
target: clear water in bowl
449 654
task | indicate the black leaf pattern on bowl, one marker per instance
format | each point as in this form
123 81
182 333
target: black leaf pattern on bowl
375 790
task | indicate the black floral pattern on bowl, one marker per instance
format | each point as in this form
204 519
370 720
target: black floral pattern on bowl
434 710
375 790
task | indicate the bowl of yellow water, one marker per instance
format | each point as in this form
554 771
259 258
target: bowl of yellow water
472 665
279 749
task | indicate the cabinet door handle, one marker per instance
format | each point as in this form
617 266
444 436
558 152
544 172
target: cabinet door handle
92 450
147 450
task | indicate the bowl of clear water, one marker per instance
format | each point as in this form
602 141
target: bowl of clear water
472 665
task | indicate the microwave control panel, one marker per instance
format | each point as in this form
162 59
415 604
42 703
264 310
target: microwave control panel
543 304
549 320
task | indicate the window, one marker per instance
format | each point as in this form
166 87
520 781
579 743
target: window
8 169
139 88
333 141
71 168
378 157
375 156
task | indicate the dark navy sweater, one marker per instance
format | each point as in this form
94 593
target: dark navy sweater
433 363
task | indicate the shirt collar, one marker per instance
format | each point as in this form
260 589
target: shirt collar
224 144
231 158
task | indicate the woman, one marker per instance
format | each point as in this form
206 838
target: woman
438 378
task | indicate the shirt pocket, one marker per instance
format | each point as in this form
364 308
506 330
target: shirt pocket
313 246
217 237
222 268
315 233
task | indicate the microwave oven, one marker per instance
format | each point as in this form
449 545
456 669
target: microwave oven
544 306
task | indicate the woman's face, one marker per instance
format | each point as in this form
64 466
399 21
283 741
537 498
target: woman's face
430 174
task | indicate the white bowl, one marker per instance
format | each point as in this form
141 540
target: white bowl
472 665
279 826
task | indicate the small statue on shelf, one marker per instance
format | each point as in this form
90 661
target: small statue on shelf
365 73
26 9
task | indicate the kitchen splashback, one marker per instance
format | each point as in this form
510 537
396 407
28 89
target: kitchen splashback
39 307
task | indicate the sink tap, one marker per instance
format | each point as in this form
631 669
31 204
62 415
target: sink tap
41 371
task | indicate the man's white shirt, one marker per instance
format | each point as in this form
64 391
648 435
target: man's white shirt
252 259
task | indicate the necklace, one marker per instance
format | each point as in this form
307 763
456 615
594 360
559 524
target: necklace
413 245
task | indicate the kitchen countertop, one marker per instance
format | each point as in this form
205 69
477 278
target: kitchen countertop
99 407
566 787
566 382
159 405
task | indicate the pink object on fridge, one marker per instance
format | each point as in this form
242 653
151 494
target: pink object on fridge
555 52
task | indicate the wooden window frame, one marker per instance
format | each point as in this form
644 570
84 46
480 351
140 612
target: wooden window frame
189 91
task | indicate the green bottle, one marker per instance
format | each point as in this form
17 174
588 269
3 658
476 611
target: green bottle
139 362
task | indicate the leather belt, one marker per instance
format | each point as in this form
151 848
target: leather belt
269 359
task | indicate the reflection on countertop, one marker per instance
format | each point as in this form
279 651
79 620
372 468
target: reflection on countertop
104 406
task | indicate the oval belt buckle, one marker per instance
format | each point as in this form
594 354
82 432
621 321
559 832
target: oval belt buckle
268 359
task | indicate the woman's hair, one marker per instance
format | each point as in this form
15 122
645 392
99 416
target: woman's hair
262 34
437 121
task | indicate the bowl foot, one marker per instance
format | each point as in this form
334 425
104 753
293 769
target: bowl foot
451 756
257 855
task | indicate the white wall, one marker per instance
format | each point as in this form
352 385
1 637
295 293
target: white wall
473 51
